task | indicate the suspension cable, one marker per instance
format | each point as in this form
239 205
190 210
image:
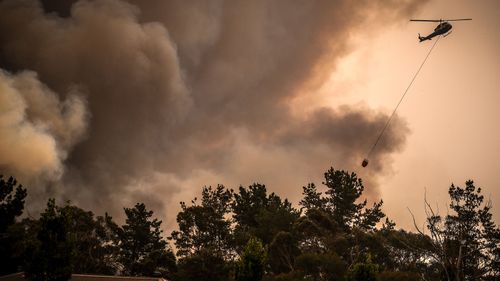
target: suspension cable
365 162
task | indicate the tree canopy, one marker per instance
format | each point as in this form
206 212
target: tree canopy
142 249
12 198
253 234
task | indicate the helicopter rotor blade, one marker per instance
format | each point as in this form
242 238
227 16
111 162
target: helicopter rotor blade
457 19
428 20
439 20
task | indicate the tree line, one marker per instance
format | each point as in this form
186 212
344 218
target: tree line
250 234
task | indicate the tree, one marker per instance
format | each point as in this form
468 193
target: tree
204 265
335 223
465 243
312 198
206 226
204 240
250 266
143 251
95 241
318 231
282 252
260 215
403 251
52 254
399 276
473 232
343 191
71 236
367 271
11 206
11 203
320 267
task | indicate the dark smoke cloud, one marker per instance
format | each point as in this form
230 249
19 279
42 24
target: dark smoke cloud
186 93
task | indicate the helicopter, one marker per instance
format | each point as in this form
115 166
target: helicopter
443 27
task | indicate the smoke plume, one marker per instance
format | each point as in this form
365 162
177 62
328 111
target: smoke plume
38 129
149 100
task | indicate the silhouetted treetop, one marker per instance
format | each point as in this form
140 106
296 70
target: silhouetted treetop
12 197
340 200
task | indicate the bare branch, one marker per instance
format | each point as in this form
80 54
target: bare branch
415 222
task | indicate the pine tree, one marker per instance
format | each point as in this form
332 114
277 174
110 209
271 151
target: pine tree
465 244
340 200
205 226
260 215
143 250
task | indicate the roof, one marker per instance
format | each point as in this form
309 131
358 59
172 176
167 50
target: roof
13 277
85 277
88 277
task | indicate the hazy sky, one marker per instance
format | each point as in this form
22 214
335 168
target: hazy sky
451 109
106 103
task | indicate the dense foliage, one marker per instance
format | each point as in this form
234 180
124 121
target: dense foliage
250 234
12 198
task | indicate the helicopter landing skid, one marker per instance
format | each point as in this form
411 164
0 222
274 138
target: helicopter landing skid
447 34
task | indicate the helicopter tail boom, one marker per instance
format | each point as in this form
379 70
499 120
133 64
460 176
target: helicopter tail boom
422 38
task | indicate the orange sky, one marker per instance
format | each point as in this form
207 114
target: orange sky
451 109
